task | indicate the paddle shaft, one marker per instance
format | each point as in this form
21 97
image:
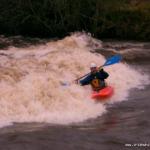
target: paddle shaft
86 74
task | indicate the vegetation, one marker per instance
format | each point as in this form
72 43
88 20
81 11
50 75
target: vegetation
122 19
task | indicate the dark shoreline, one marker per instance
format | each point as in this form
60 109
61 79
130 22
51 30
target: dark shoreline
120 19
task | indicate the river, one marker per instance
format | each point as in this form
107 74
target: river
38 112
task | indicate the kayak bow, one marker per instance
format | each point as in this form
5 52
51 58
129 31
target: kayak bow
103 94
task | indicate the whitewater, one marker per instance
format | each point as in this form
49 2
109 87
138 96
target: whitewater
31 77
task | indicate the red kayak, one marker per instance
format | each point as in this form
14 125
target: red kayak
103 94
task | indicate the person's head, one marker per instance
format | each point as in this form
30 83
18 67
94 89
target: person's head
93 68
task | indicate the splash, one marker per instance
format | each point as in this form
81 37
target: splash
30 89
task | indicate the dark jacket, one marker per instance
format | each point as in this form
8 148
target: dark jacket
96 79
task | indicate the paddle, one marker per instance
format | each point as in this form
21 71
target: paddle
110 61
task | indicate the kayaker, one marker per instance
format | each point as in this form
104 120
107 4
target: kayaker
96 78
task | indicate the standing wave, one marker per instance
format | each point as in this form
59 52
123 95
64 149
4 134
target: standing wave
30 82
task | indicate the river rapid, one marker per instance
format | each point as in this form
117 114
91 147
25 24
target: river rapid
39 112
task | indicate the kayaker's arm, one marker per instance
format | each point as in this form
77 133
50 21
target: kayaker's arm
85 81
103 74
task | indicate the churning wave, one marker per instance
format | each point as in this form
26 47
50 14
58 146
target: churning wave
30 81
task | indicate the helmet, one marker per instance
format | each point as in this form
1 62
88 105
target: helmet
93 65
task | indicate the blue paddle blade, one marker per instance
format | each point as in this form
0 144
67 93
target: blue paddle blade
113 60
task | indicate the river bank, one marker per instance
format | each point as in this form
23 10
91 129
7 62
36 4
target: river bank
119 19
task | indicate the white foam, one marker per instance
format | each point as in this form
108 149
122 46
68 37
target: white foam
38 96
